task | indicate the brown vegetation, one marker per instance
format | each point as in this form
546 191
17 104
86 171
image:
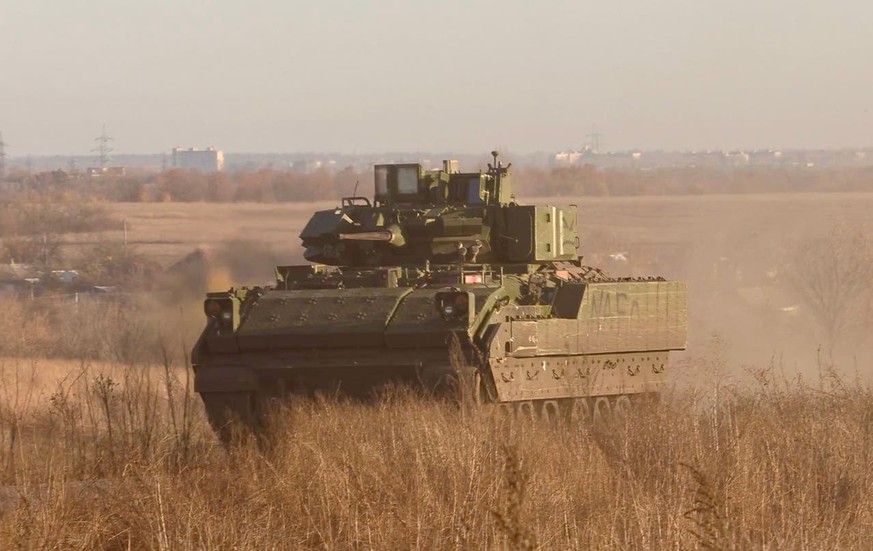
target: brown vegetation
833 276
178 185
122 328
121 457
30 231
103 443
591 181
270 185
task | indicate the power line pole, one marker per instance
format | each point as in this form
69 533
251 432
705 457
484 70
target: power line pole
2 157
103 148
594 140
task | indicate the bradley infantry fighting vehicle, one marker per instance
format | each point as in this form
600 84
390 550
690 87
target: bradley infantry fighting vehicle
441 274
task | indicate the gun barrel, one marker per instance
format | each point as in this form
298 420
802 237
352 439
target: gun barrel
378 235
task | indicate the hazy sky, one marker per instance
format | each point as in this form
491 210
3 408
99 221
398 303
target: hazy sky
325 75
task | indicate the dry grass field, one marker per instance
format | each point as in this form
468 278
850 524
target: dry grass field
765 442
123 459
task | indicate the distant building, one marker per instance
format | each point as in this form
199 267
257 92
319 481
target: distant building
205 160
566 157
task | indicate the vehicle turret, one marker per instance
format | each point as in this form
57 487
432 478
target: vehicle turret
443 216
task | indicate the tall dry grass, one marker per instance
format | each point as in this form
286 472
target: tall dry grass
113 456
121 328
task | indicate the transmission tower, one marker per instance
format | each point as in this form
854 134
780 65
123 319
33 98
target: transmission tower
594 138
103 148
2 157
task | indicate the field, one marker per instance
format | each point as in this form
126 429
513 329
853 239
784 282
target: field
737 253
765 441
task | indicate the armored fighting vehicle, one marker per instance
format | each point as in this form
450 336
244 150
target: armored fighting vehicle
445 282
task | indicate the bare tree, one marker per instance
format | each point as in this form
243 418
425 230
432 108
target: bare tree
833 276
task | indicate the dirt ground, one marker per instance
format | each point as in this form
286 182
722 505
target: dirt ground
733 250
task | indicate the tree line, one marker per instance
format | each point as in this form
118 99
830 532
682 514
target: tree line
270 185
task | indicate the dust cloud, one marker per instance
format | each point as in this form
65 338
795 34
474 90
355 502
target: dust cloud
737 254
739 257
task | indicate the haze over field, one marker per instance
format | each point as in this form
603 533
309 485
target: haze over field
434 76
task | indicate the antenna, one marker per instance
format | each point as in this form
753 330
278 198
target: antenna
2 156
103 148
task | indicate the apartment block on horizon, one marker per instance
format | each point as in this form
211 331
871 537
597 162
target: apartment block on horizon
205 160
